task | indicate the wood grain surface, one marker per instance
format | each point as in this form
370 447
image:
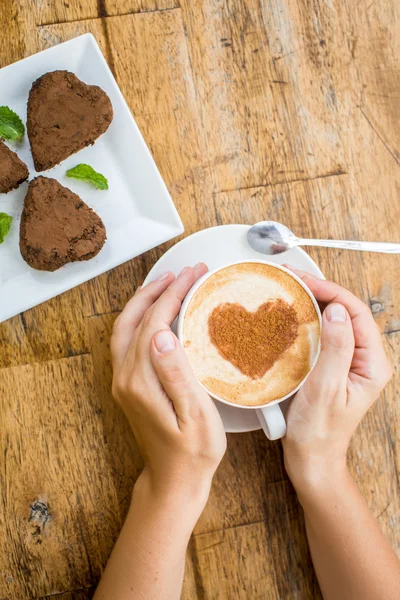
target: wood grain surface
283 109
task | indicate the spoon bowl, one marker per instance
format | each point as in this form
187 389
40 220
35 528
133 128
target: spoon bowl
271 237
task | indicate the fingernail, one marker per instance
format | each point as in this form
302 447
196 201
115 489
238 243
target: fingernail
163 276
289 266
184 270
336 313
164 341
199 265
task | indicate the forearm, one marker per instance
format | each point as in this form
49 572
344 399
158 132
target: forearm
148 559
351 556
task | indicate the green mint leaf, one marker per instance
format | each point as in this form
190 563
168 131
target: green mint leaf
5 224
11 126
87 173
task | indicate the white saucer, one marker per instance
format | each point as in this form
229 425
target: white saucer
217 246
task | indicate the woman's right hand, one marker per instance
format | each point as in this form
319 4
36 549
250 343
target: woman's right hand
350 373
176 424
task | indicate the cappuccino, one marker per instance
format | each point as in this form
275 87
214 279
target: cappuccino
251 332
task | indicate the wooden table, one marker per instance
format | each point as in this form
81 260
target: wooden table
286 110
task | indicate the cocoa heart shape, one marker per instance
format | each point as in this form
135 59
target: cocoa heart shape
57 227
253 341
64 116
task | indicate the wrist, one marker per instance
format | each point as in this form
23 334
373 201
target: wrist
316 475
183 498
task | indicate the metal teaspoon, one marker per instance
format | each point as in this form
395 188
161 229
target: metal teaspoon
270 237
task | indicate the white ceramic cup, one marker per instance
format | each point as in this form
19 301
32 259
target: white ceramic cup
270 415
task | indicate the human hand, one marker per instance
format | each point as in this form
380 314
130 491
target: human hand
351 371
176 424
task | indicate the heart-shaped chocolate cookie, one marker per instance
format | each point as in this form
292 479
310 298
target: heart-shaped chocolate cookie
64 116
57 227
253 341
12 170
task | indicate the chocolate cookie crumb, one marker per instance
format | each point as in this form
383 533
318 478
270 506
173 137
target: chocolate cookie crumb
64 116
12 170
57 227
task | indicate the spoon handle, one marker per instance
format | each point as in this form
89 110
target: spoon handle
387 248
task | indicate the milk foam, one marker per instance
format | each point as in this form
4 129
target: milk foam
250 285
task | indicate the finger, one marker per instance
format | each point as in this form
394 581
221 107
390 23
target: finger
177 378
299 272
161 315
168 305
366 332
130 317
337 348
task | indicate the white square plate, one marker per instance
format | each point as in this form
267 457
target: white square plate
137 210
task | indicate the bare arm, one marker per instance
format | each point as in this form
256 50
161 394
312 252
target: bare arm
148 559
352 558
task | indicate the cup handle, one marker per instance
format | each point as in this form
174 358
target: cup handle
272 421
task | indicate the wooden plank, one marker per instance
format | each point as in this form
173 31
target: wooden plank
279 84
20 38
59 512
238 496
254 85
122 7
81 594
267 560
388 514
124 461
55 329
51 35
54 11
14 344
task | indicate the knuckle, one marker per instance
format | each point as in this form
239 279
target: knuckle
147 318
131 386
196 412
174 374
136 386
328 391
171 296
337 339
170 293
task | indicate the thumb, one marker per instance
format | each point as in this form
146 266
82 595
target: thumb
337 349
176 376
